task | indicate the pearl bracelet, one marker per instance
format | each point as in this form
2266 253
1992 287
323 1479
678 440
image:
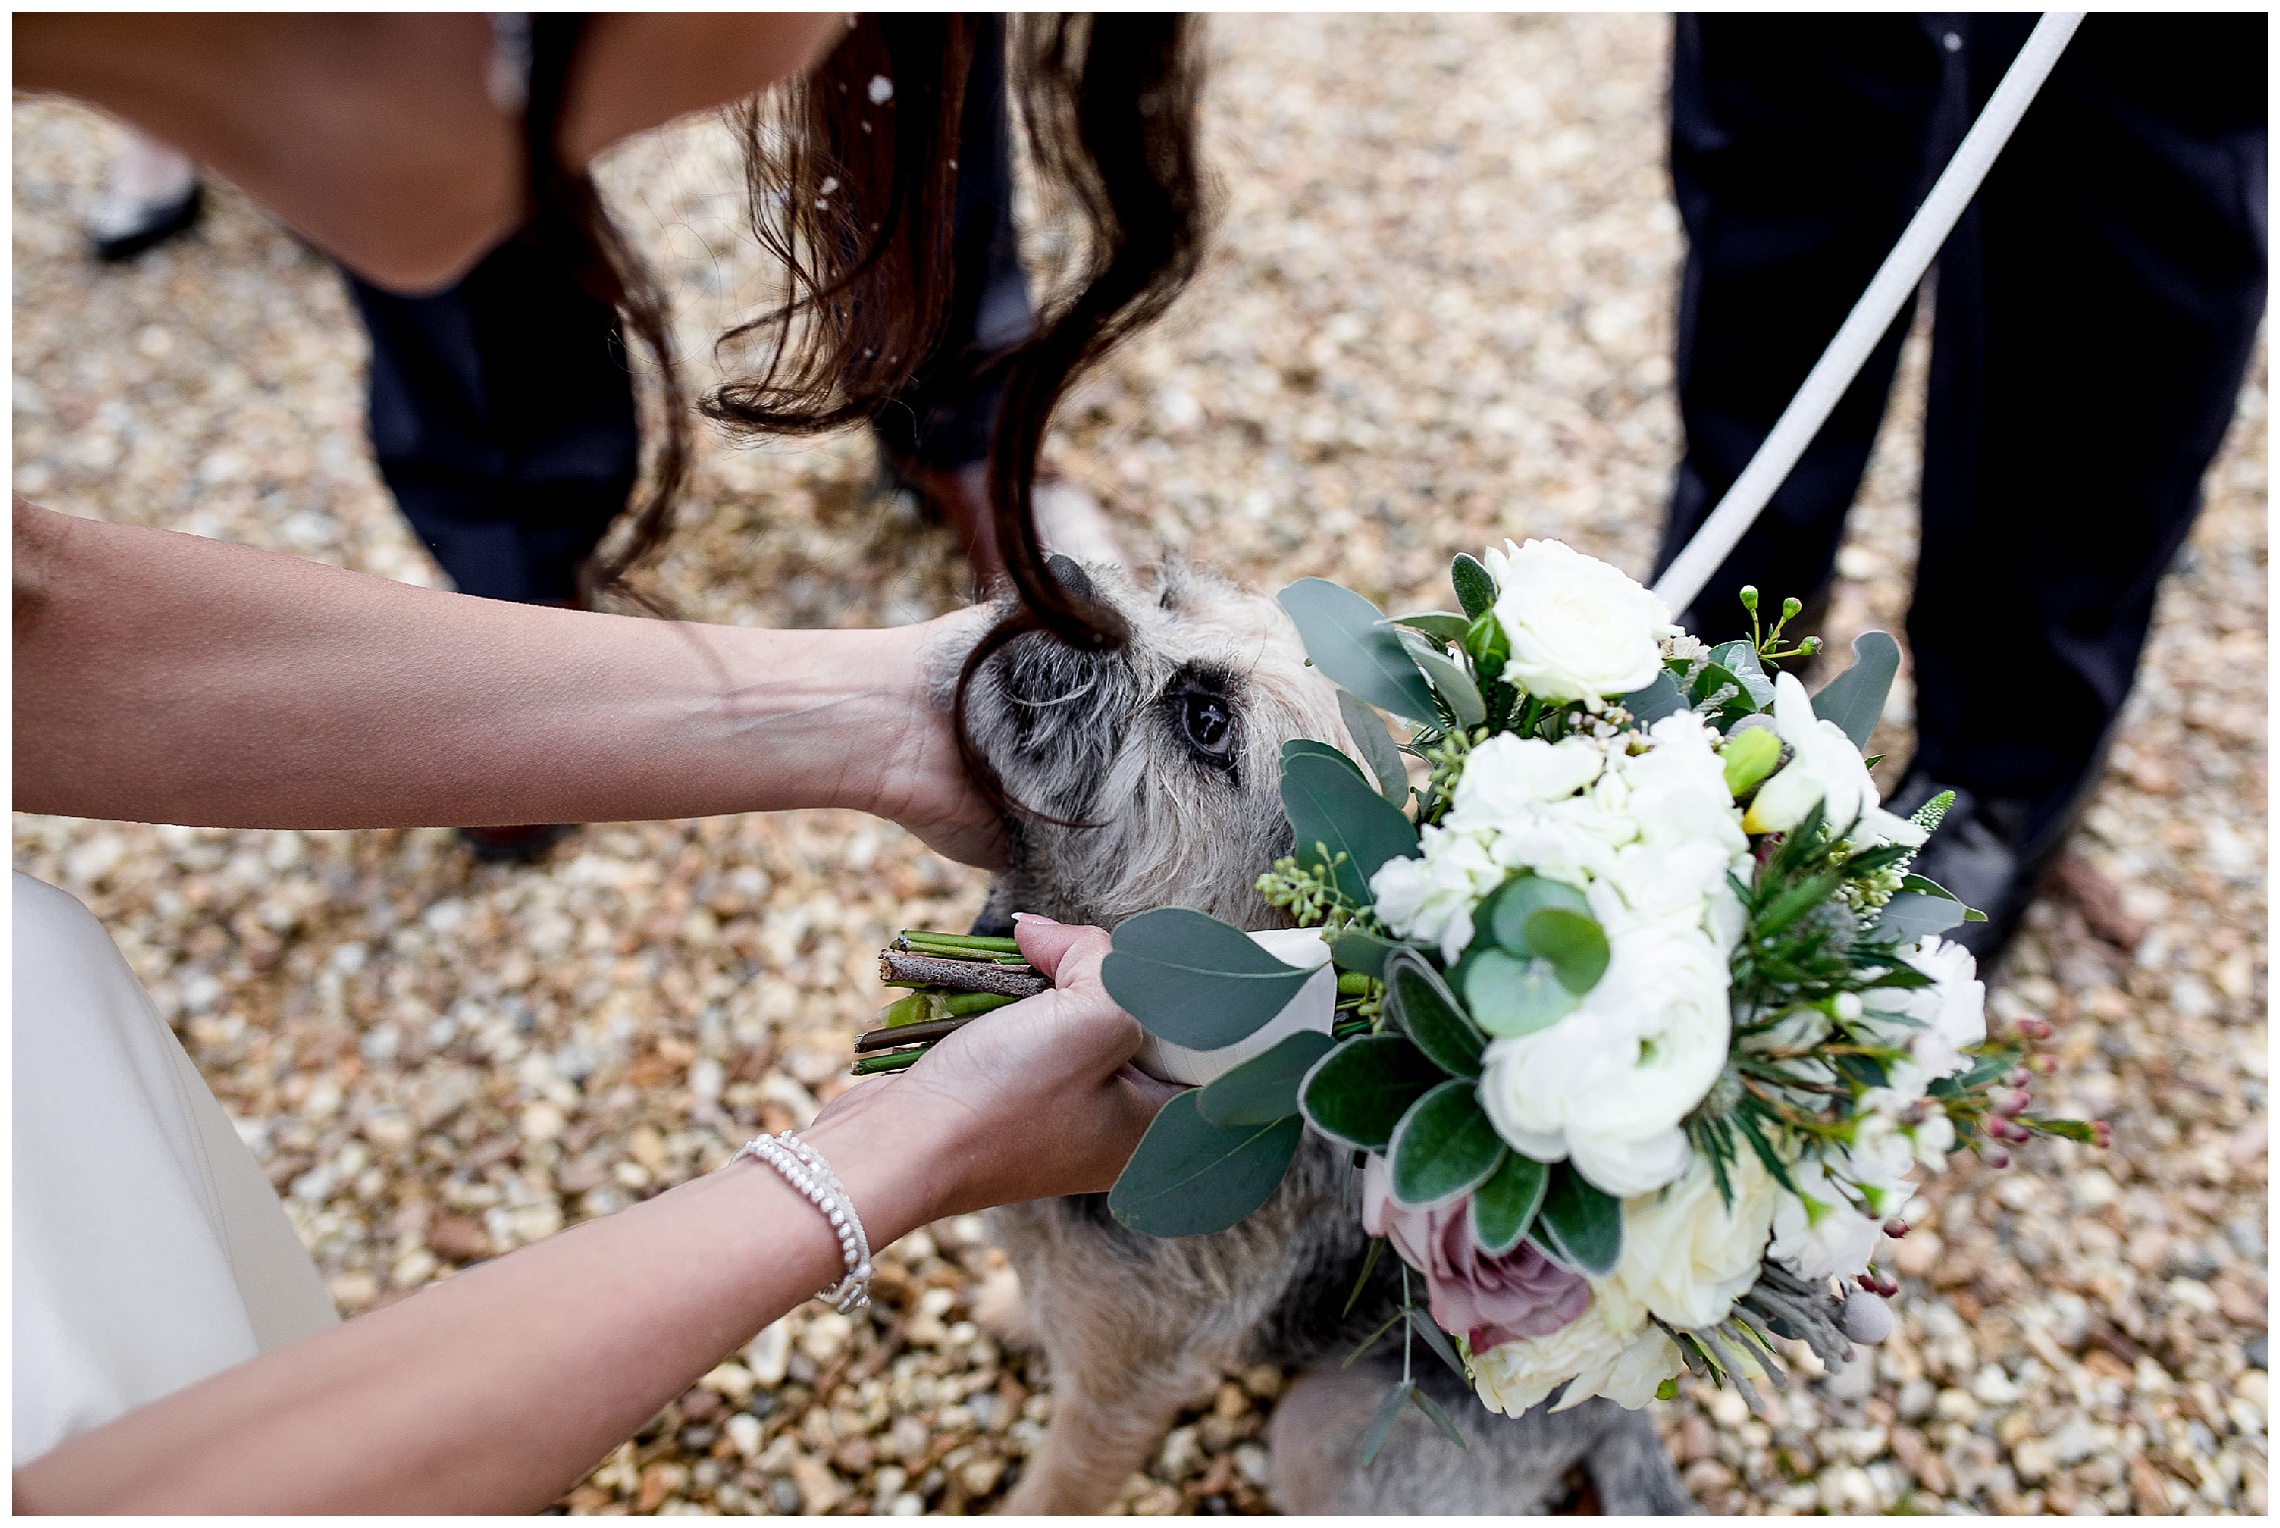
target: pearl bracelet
804 1168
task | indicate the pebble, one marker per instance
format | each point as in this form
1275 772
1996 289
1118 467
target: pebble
1436 316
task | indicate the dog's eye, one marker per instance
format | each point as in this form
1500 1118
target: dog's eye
1210 724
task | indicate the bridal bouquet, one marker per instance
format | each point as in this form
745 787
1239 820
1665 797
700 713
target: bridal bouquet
1641 1026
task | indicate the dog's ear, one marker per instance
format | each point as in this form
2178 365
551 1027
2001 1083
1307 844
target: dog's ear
1072 578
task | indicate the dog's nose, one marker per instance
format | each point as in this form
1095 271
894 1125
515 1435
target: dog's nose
1069 576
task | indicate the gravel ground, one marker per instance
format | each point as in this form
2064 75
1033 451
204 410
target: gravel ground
1438 313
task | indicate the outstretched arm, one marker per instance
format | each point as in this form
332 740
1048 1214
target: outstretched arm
162 677
495 1391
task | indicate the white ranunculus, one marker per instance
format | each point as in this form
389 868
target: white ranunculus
1611 1350
1826 768
1431 895
1881 1160
1948 1016
1688 1255
1824 1234
1608 1085
1510 777
1579 628
1678 788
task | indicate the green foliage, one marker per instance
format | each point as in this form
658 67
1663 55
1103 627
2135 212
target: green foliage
1191 1177
1511 995
1193 980
1476 590
1504 1207
1443 1146
1578 1224
1379 750
1855 698
1265 1088
1341 826
1351 642
1422 1007
1359 1092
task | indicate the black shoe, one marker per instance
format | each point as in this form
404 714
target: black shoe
513 846
149 226
1992 852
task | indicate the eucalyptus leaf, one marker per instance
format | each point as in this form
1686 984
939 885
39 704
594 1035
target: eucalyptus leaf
1352 643
1508 996
1264 1088
1437 1340
1388 1410
1307 745
1855 698
1443 1147
1193 980
1360 1091
1521 898
1911 915
1330 805
1658 700
1579 1225
1573 942
1505 1206
1437 1416
1476 589
1377 747
1450 681
1355 950
1191 1177
1424 1008
1925 884
1437 624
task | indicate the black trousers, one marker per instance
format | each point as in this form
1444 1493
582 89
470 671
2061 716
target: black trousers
502 410
2094 313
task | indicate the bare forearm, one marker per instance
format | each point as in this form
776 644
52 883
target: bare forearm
496 1391
162 677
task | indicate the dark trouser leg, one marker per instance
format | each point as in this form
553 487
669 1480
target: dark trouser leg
2091 334
502 418
942 421
1799 148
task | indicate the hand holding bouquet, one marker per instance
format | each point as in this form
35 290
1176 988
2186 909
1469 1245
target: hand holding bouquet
1642 1027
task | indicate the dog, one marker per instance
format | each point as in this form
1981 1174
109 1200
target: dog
1150 775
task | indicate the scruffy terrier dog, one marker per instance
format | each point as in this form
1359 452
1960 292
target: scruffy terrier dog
1168 749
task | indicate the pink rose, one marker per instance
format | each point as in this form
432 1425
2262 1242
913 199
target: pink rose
1491 1300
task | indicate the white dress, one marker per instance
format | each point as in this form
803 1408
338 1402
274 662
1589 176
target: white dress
149 1250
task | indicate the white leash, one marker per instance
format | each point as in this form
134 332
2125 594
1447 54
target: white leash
1870 317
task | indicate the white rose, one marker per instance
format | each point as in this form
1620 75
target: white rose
1825 768
1824 1234
1579 628
1687 1255
1608 1085
1611 1350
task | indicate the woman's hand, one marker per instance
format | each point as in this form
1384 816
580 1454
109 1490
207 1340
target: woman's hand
1032 1101
921 780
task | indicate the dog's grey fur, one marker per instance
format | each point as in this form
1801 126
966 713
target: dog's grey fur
1134 1327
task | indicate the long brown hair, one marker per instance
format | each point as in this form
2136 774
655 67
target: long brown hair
853 176
851 180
